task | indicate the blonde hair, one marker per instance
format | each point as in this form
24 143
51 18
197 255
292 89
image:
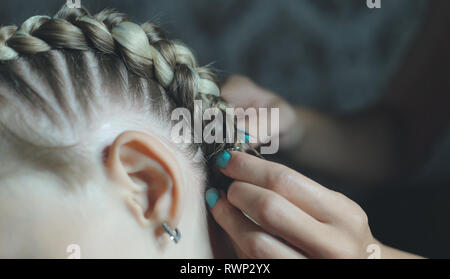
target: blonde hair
53 58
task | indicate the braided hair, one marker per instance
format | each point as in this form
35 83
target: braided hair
57 64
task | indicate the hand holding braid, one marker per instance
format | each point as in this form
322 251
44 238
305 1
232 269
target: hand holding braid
144 49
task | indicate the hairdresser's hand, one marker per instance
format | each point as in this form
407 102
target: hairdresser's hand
243 93
297 217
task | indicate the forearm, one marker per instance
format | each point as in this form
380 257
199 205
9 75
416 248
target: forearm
365 146
362 146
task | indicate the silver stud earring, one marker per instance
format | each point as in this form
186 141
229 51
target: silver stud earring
175 235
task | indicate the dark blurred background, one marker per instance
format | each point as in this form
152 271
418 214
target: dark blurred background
332 55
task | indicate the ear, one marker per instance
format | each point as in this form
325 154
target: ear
149 178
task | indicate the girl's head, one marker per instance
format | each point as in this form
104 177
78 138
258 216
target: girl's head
86 154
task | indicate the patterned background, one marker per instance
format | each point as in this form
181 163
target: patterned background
330 54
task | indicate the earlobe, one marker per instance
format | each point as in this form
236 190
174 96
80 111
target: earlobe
149 178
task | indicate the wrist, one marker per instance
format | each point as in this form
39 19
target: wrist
388 252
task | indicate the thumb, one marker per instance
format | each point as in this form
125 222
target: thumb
242 91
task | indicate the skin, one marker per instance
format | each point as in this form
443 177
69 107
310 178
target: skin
141 182
338 145
297 217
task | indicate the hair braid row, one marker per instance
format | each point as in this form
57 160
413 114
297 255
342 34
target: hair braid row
144 48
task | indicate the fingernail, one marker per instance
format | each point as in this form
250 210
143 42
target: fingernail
212 196
247 138
246 135
223 158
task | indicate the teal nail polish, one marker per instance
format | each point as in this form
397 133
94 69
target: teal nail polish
212 196
246 135
247 138
222 159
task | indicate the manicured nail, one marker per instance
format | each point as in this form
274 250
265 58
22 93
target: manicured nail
246 135
223 158
212 196
247 138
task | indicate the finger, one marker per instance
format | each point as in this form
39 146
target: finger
248 98
239 253
249 237
243 92
279 216
249 120
311 197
